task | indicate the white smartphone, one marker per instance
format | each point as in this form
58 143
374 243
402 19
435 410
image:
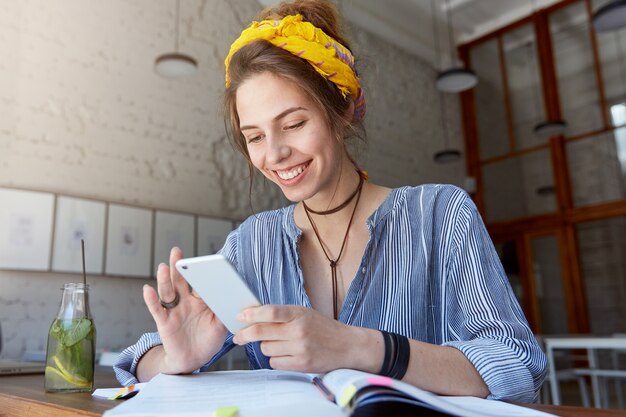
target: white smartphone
220 286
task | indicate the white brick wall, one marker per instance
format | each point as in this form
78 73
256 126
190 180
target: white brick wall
82 113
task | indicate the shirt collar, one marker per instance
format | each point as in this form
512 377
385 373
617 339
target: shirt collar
395 197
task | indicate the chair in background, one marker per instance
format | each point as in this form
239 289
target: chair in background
615 359
614 373
563 375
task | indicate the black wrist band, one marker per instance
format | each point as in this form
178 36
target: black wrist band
384 370
397 355
402 357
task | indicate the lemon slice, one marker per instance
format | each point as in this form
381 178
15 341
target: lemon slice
72 379
67 378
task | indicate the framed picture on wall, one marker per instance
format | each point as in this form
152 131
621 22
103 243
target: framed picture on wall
26 225
129 241
212 234
173 229
75 220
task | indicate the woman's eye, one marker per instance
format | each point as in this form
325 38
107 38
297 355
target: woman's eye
295 126
254 139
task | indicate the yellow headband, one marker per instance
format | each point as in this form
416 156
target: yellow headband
329 58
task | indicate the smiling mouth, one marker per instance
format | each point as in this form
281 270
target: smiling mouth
291 173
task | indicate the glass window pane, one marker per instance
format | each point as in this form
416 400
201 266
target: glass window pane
575 67
602 248
490 109
549 285
516 187
597 167
618 114
525 96
612 51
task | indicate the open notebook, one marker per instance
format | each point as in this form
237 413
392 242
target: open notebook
11 367
268 393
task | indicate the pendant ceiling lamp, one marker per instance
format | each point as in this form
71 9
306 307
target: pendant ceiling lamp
549 128
611 16
454 79
545 190
545 128
175 64
447 154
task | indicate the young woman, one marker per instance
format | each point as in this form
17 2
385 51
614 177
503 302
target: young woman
401 282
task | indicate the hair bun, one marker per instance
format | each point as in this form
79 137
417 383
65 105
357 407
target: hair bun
321 13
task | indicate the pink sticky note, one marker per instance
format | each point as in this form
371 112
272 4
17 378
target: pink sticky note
382 381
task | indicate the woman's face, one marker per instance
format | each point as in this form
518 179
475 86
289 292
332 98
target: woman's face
288 138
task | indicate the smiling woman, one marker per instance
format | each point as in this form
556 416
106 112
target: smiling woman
401 282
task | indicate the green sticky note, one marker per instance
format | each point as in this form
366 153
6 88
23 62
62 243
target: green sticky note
227 411
347 395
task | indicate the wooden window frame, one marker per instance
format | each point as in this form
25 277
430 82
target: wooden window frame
563 221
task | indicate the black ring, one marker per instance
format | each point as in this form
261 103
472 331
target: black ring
172 303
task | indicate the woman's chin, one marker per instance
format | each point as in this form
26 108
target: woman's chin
293 189
294 197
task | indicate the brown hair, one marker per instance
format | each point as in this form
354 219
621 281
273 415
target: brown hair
261 56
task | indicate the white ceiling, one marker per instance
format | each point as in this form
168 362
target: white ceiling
407 23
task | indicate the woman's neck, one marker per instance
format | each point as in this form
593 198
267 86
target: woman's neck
372 197
340 195
335 223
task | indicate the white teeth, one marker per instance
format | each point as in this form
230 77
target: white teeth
291 174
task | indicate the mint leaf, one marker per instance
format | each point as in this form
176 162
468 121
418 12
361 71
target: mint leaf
77 332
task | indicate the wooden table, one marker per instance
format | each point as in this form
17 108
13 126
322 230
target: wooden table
24 396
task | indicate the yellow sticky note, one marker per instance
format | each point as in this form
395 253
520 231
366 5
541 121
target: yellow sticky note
347 395
123 392
118 394
227 411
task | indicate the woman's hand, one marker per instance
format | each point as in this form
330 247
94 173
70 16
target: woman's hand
301 339
191 334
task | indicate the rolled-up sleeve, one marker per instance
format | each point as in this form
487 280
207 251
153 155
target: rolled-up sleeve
126 366
485 320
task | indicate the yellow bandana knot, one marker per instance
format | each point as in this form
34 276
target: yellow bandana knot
330 59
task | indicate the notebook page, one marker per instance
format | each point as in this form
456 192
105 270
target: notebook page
257 394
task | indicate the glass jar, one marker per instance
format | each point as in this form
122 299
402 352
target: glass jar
70 357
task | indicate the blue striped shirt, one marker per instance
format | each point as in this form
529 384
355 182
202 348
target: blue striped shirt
429 272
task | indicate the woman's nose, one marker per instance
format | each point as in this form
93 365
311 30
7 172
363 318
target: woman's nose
278 151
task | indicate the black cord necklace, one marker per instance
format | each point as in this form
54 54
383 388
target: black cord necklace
334 262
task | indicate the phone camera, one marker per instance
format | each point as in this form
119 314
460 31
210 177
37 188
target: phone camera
184 266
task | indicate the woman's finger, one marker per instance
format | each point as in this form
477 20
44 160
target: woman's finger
261 331
150 297
271 348
178 282
287 363
269 313
166 291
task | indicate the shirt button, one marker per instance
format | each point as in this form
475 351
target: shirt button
363 270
